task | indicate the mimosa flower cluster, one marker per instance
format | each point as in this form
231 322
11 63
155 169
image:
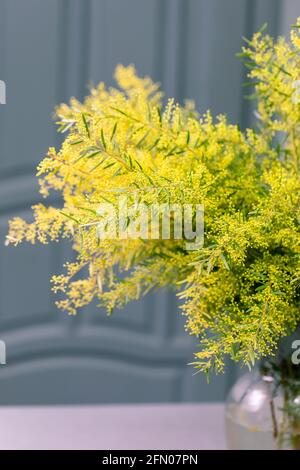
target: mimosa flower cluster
240 292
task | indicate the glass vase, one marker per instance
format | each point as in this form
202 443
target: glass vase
262 414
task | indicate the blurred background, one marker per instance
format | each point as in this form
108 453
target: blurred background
51 50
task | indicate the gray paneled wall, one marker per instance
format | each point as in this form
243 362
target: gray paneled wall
50 50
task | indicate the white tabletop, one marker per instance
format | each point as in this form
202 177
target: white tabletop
158 427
